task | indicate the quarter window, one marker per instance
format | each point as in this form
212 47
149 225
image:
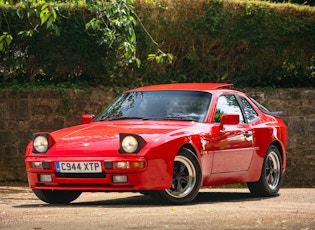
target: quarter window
250 113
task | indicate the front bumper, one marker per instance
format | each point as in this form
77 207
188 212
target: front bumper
150 175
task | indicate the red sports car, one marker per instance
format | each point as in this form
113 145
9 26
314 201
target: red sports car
163 140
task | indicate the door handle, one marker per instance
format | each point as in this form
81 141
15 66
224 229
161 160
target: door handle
248 134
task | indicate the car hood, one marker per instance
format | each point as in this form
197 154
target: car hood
105 135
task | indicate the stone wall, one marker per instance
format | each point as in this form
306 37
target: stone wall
25 112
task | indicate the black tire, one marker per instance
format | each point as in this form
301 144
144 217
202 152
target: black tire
186 179
271 175
56 196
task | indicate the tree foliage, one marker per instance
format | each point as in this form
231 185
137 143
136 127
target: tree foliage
112 23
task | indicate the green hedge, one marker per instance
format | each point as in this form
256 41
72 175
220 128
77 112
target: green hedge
247 43
302 2
73 56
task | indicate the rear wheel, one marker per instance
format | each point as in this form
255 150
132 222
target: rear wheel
186 179
56 196
271 175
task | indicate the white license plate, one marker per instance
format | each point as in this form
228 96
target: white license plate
78 167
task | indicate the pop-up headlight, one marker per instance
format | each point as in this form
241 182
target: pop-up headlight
130 143
42 142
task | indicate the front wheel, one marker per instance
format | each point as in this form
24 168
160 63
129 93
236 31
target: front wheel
56 196
186 179
271 175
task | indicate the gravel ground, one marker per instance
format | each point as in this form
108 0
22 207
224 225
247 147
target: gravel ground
213 209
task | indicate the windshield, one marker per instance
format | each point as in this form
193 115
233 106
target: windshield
158 105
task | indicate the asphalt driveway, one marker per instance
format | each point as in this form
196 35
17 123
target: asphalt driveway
213 209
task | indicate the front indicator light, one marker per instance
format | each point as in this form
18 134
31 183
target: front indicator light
120 179
126 165
45 178
138 164
129 165
28 165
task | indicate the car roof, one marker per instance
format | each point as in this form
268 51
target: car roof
185 86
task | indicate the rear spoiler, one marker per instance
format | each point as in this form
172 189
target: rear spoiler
274 113
267 111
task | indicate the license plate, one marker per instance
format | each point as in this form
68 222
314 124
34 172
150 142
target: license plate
78 167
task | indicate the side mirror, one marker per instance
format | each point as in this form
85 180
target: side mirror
87 118
230 119
226 119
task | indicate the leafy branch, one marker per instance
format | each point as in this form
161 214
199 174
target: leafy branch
5 40
114 25
159 56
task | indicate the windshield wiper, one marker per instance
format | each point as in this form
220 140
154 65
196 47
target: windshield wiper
123 118
150 118
174 118
180 118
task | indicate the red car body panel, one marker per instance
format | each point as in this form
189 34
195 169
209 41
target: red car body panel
233 156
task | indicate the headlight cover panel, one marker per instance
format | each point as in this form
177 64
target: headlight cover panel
133 139
42 142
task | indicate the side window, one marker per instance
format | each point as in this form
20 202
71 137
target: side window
227 104
250 112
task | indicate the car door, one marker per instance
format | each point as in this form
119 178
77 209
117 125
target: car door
233 144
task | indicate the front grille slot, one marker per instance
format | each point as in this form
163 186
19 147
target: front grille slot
85 185
81 175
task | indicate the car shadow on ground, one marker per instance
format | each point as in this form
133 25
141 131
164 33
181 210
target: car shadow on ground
139 200
202 198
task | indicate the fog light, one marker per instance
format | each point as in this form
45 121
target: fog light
45 178
37 165
120 178
122 165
